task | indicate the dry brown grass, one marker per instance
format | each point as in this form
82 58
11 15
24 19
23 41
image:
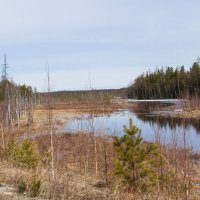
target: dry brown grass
74 155
66 185
62 113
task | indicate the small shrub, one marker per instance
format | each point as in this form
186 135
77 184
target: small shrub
1 180
46 158
25 154
135 159
28 154
13 151
21 187
34 187
100 184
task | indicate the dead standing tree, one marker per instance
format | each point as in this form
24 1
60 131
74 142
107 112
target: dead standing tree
5 103
50 122
92 126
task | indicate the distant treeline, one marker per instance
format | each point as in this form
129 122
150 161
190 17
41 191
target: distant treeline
167 82
84 95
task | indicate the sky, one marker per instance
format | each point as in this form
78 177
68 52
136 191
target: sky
96 43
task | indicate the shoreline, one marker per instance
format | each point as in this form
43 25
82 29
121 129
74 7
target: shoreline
64 112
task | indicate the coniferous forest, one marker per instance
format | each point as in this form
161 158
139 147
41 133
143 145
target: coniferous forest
167 82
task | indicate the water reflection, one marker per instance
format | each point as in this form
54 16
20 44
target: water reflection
148 122
172 123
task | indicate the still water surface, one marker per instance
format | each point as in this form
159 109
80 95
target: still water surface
148 123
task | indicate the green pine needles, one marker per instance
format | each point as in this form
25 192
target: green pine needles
25 154
136 160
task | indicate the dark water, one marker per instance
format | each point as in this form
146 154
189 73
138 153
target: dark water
149 123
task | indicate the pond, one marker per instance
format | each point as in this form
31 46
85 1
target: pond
149 123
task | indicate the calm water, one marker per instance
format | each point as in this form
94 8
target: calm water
148 123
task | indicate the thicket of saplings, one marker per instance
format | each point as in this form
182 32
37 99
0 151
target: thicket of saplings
127 165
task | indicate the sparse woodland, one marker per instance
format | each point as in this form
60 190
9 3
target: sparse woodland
90 165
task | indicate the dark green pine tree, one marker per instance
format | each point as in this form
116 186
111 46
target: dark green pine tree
136 160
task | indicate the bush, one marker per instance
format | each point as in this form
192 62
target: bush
25 154
13 151
135 160
34 187
21 187
46 158
28 154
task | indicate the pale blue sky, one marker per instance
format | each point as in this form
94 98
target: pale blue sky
108 42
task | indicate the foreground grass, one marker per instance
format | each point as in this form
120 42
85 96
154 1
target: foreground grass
71 186
75 176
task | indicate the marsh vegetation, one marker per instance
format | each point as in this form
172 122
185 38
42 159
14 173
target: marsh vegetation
63 145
